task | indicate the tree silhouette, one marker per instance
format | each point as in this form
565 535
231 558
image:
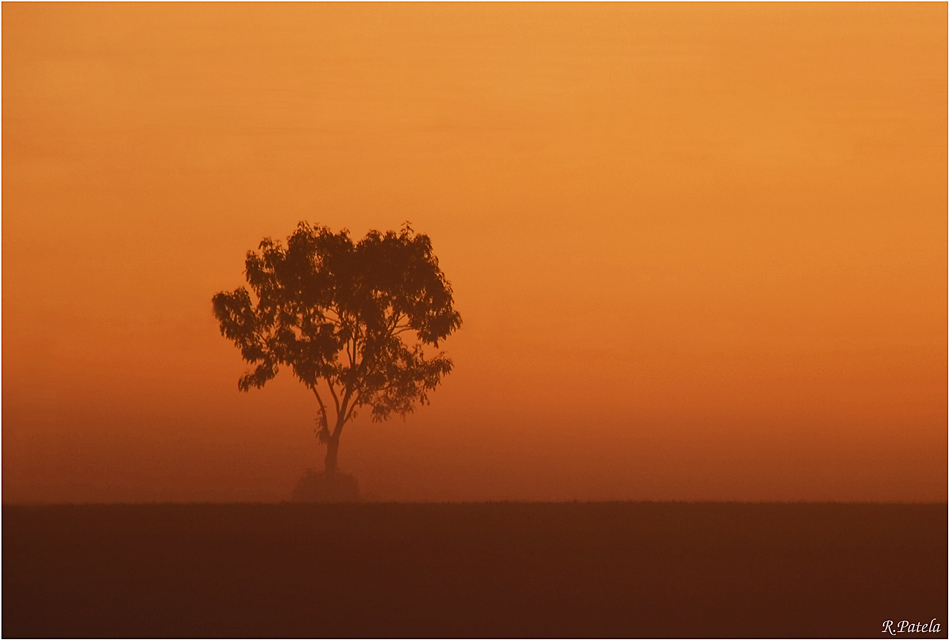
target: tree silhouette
351 321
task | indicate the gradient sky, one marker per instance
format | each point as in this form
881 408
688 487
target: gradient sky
700 250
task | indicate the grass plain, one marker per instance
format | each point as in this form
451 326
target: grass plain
483 570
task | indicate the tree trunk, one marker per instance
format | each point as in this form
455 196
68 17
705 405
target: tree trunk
333 446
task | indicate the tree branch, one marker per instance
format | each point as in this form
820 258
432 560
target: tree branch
323 412
336 401
356 402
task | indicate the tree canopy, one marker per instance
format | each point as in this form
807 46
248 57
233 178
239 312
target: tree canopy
350 319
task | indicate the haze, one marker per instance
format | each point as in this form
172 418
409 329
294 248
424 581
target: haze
700 250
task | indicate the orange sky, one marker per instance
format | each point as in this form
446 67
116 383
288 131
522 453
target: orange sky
700 250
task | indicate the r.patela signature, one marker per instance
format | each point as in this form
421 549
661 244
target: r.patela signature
906 626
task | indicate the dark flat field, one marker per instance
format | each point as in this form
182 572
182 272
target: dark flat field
473 570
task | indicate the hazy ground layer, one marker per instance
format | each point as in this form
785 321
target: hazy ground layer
473 570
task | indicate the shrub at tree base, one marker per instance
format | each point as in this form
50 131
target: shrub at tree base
321 487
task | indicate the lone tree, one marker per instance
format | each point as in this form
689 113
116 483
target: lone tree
350 320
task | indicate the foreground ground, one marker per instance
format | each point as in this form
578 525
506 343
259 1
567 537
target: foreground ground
473 570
